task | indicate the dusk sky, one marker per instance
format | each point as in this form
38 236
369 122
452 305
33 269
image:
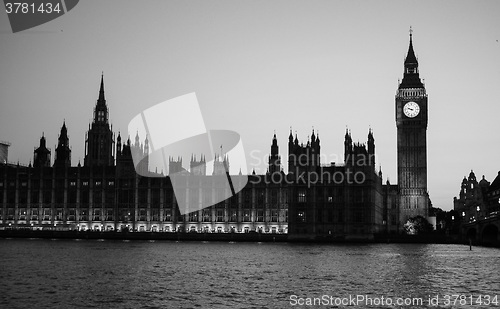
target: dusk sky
259 67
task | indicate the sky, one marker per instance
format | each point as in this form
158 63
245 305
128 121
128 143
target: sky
259 67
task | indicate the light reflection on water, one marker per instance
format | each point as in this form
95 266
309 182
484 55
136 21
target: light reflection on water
161 274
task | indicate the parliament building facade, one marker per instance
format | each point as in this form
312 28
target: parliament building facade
313 200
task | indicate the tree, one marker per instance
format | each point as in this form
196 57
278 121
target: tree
417 225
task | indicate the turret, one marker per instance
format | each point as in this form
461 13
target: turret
175 166
198 167
146 146
118 145
371 148
137 144
463 188
41 155
63 152
347 146
274 158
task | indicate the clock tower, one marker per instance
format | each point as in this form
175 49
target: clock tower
411 122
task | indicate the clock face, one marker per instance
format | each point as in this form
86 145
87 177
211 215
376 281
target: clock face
411 109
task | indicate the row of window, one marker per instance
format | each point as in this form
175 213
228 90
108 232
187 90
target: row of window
123 196
59 183
127 215
322 216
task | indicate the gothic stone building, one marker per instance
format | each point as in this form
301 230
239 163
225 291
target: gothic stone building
312 200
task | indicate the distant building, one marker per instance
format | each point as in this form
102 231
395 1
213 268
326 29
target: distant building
472 202
493 196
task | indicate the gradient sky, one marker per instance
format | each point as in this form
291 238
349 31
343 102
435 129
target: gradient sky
263 66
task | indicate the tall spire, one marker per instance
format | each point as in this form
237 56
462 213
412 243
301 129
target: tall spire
101 90
64 130
100 139
411 78
101 109
63 137
410 57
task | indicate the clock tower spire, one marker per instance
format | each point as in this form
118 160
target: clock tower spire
411 123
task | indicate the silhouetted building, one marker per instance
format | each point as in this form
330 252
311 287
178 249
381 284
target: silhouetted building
477 200
411 122
493 197
314 200
343 201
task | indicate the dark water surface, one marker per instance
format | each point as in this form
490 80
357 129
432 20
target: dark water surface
36 273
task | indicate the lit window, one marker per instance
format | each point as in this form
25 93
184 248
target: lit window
220 215
260 216
302 196
100 115
206 215
97 215
274 216
246 215
233 216
301 216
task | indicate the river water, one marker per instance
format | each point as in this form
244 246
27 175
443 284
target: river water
36 273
